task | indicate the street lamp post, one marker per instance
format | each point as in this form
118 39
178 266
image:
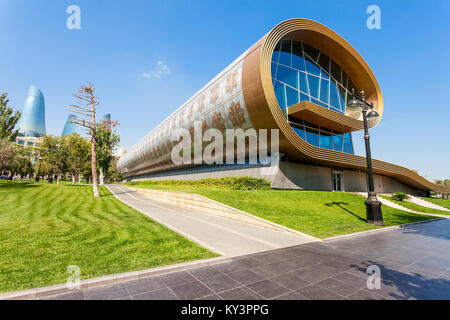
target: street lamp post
373 205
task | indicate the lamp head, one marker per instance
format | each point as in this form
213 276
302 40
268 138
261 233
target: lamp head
373 115
354 105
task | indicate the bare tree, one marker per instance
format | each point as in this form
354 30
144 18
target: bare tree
85 106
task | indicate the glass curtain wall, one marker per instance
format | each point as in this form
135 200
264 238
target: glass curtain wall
303 73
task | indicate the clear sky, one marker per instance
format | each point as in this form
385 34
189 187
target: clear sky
148 57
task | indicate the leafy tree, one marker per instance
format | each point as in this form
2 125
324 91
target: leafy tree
107 140
113 173
79 155
42 168
445 182
8 119
8 151
55 151
21 165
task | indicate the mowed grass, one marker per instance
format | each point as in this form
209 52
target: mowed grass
440 202
321 214
46 228
416 207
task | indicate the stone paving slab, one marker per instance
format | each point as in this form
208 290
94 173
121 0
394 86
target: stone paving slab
414 263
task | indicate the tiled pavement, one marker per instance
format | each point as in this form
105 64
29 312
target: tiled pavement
414 263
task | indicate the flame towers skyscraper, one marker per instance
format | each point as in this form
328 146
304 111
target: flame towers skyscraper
32 121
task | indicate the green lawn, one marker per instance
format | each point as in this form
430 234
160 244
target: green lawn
45 228
441 202
318 213
416 207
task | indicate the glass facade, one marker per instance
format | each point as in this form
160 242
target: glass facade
32 121
70 128
303 73
323 137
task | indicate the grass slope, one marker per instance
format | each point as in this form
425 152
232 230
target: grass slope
318 213
45 228
416 207
440 202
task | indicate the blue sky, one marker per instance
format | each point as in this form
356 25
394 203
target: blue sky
121 42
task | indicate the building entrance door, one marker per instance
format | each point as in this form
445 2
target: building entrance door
337 181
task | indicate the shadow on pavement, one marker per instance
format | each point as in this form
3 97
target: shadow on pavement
403 285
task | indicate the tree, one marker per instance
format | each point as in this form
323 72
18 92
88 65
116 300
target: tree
55 151
114 174
8 119
79 154
445 182
21 165
42 168
86 97
107 140
8 151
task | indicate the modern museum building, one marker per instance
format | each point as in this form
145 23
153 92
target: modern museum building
298 79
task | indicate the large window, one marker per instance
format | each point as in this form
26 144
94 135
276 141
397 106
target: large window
322 137
303 73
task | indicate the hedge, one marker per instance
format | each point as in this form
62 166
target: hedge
230 183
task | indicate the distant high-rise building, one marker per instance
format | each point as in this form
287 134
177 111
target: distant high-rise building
32 121
70 127
107 120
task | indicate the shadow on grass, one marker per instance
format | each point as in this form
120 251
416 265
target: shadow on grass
340 204
106 195
74 185
102 194
18 185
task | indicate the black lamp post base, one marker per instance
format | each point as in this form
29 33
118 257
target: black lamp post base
373 210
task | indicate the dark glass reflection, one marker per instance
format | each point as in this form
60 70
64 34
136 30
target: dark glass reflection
322 137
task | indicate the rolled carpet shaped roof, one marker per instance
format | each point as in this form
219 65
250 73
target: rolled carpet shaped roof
243 96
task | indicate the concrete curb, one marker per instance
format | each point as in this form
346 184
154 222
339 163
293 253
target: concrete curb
201 243
425 203
363 233
391 204
257 220
109 279
276 225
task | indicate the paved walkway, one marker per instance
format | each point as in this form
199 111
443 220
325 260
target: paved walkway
414 262
224 236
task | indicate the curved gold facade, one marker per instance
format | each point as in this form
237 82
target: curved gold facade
242 96
264 111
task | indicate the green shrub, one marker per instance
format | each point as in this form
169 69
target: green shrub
399 196
229 183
